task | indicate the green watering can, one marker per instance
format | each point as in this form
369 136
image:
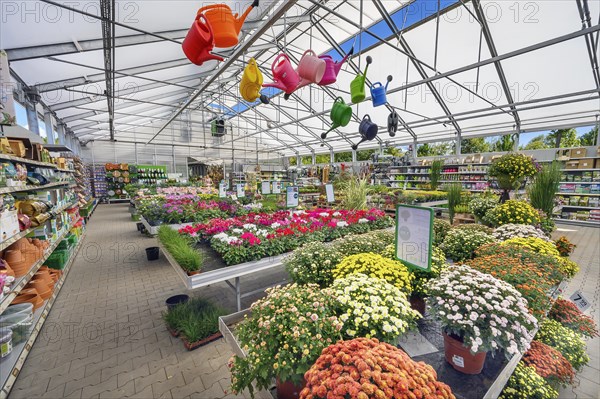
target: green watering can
340 115
357 86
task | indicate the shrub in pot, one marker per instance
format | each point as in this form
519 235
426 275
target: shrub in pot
479 313
284 336
373 308
511 170
366 368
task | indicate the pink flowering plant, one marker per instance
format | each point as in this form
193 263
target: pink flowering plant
185 208
284 336
258 235
487 314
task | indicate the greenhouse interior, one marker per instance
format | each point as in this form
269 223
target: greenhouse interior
304 199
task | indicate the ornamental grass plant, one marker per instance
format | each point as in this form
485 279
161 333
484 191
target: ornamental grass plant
354 193
373 265
542 191
366 368
486 313
372 308
181 249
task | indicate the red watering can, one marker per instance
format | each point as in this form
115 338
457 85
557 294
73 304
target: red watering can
198 42
285 76
225 25
332 68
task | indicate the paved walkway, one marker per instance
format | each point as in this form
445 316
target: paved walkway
587 255
104 337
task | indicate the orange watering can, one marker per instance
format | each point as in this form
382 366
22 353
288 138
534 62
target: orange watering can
225 25
199 42
285 76
332 68
251 83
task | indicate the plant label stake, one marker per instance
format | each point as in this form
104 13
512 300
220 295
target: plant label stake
357 86
340 115
378 92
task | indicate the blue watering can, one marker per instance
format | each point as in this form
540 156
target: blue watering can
378 92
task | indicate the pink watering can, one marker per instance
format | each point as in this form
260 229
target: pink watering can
310 69
332 68
199 41
284 75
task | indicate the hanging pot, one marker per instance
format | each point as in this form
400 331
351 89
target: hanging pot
461 358
378 92
357 86
310 69
284 75
199 41
392 123
251 83
332 68
225 26
340 115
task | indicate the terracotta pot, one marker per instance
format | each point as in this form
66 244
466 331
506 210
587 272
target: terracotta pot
461 358
20 268
289 390
31 297
418 304
37 242
19 244
41 287
6 269
14 256
45 276
193 273
174 333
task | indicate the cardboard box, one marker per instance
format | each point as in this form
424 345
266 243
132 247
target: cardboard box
572 165
17 147
5 146
35 152
578 152
586 164
597 165
9 225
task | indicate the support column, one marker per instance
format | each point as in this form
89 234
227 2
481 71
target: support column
32 118
136 152
60 130
298 160
331 156
173 157
314 158
353 155
458 143
414 151
49 122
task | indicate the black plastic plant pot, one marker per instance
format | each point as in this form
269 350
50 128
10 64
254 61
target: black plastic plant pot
176 300
139 226
152 253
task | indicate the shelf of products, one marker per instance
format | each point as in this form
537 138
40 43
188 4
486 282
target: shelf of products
6 190
12 364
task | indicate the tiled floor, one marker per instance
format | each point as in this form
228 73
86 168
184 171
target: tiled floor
105 338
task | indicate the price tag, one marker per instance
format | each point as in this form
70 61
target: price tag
266 187
222 190
458 360
292 197
276 187
241 191
329 192
579 300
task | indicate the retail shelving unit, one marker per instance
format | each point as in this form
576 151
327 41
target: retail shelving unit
12 364
579 193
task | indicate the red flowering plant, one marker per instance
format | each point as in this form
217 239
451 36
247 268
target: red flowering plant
258 235
366 368
566 313
564 246
549 364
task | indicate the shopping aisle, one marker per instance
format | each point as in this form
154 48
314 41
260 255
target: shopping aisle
587 255
104 337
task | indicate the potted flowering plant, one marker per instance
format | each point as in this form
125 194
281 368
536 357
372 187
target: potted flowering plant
512 230
283 337
460 244
569 343
373 265
479 313
549 364
525 383
512 211
568 314
564 246
365 368
372 308
511 170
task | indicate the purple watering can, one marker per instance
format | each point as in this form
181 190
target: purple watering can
332 68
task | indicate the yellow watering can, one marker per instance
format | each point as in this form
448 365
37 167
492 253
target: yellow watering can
251 83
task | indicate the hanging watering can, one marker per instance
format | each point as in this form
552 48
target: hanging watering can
392 123
251 83
199 42
226 26
285 76
357 86
332 68
367 129
310 69
340 115
378 92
